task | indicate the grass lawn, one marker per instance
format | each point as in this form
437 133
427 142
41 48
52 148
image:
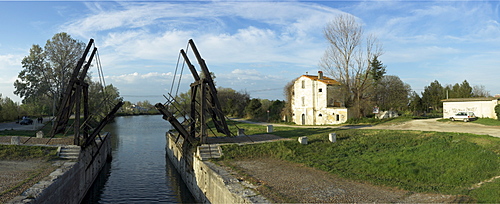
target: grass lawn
483 121
487 121
435 162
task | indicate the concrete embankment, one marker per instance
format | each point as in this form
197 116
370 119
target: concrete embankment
208 182
71 180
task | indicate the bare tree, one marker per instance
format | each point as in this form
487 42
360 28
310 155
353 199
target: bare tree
348 58
287 110
480 91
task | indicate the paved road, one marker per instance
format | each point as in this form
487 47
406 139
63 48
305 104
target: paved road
434 125
17 126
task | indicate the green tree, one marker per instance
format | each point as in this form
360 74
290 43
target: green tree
416 105
465 90
392 93
9 110
46 71
182 105
377 69
233 103
497 111
254 109
275 111
102 99
432 96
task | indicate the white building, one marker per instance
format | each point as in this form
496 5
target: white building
314 103
482 107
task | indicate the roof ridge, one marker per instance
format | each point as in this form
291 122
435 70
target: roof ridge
326 80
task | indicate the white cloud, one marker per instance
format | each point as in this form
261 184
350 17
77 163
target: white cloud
152 77
148 30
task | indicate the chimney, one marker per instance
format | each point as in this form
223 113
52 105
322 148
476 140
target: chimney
320 75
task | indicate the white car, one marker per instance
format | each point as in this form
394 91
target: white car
465 116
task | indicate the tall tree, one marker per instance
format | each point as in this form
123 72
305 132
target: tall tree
348 59
377 69
46 71
9 110
275 111
432 96
102 99
416 105
465 90
232 102
254 108
392 93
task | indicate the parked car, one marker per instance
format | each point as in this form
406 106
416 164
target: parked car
463 115
26 121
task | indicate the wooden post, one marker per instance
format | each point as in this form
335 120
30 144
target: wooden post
76 127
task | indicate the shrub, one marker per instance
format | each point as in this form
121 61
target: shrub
497 111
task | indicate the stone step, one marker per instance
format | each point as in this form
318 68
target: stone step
209 152
69 152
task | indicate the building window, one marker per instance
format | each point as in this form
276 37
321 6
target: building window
303 84
320 90
303 101
320 115
338 117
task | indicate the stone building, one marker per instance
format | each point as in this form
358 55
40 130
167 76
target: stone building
314 102
482 107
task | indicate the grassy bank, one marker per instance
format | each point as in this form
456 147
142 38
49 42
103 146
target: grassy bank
482 121
17 152
447 163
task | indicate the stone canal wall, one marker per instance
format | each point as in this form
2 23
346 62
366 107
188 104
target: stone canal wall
208 182
71 181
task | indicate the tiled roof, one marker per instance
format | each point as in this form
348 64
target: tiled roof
326 80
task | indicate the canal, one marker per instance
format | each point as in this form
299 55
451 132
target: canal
140 172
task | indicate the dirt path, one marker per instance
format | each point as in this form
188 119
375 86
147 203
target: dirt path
17 176
290 182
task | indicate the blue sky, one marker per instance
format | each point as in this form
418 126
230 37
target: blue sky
257 46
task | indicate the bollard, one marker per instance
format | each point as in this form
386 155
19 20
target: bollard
15 140
241 132
303 140
332 137
39 134
270 128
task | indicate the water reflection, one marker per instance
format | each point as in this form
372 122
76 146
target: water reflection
139 172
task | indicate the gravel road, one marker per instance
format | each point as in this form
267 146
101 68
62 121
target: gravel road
434 125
